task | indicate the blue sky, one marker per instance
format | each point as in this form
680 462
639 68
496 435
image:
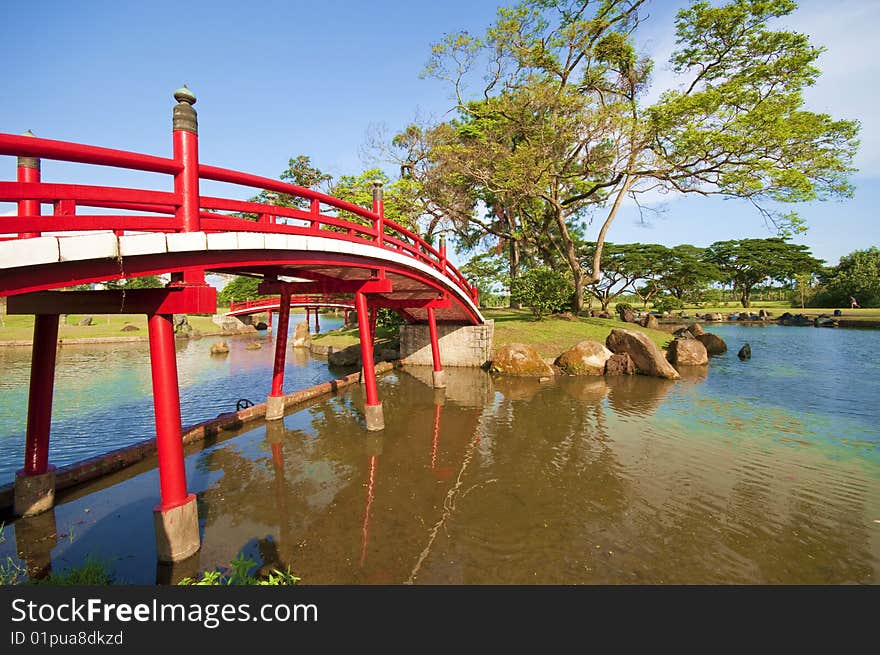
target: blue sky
276 79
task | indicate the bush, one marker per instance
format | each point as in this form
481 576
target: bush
389 319
622 307
668 304
542 290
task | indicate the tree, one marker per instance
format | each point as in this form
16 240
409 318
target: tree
142 282
857 275
559 131
686 273
488 272
747 262
239 288
542 290
299 172
622 266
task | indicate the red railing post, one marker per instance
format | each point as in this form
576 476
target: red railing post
372 407
275 401
175 518
439 375
186 152
379 208
35 483
28 172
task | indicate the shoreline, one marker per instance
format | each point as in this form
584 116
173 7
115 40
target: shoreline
133 339
72 475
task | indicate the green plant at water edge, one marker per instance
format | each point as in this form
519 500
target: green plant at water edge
239 574
92 572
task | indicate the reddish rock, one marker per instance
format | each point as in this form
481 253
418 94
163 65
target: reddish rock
696 329
586 358
519 359
714 344
687 352
621 364
650 321
647 357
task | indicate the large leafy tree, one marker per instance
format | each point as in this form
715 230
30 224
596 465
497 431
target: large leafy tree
623 265
686 274
745 263
558 133
857 275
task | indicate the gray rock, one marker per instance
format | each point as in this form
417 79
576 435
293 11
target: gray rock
86 320
301 336
745 352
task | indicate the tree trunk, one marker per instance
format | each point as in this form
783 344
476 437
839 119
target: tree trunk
513 259
744 298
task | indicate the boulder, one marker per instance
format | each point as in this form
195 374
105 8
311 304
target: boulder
714 317
253 345
647 357
683 333
603 315
626 315
620 364
128 327
86 320
745 352
586 358
696 329
261 326
714 344
301 336
350 356
687 352
650 321
763 313
519 359
220 348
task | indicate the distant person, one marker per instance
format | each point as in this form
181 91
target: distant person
853 304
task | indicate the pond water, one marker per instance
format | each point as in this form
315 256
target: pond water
103 396
764 471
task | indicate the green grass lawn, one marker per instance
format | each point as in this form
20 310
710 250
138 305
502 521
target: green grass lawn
552 336
779 307
21 328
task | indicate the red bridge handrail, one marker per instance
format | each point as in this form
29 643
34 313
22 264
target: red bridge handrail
376 230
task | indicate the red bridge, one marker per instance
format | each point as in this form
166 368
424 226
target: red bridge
270 305
99 233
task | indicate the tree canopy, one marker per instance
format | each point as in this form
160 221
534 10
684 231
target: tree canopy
558 130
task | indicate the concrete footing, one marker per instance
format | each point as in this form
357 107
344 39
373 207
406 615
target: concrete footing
171 573
34 494
439 379
35 537
375 417
274 408
177 531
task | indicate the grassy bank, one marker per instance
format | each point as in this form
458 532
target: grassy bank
21 328
778 308
553 335
550 336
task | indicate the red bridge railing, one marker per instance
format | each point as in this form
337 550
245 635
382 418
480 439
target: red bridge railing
184 209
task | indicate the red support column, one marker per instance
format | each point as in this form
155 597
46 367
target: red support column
439 375
373 317
28 171
275 401
175 518
317 322
308 318
372 408
270 320
35 483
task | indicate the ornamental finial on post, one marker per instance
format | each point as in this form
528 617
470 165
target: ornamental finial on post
184 116
377 191
29 162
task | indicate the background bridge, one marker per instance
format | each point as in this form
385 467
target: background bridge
99 233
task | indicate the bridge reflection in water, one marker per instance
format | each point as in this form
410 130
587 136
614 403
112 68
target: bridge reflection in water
502 480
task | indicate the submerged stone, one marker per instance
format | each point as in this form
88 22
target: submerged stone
519 359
